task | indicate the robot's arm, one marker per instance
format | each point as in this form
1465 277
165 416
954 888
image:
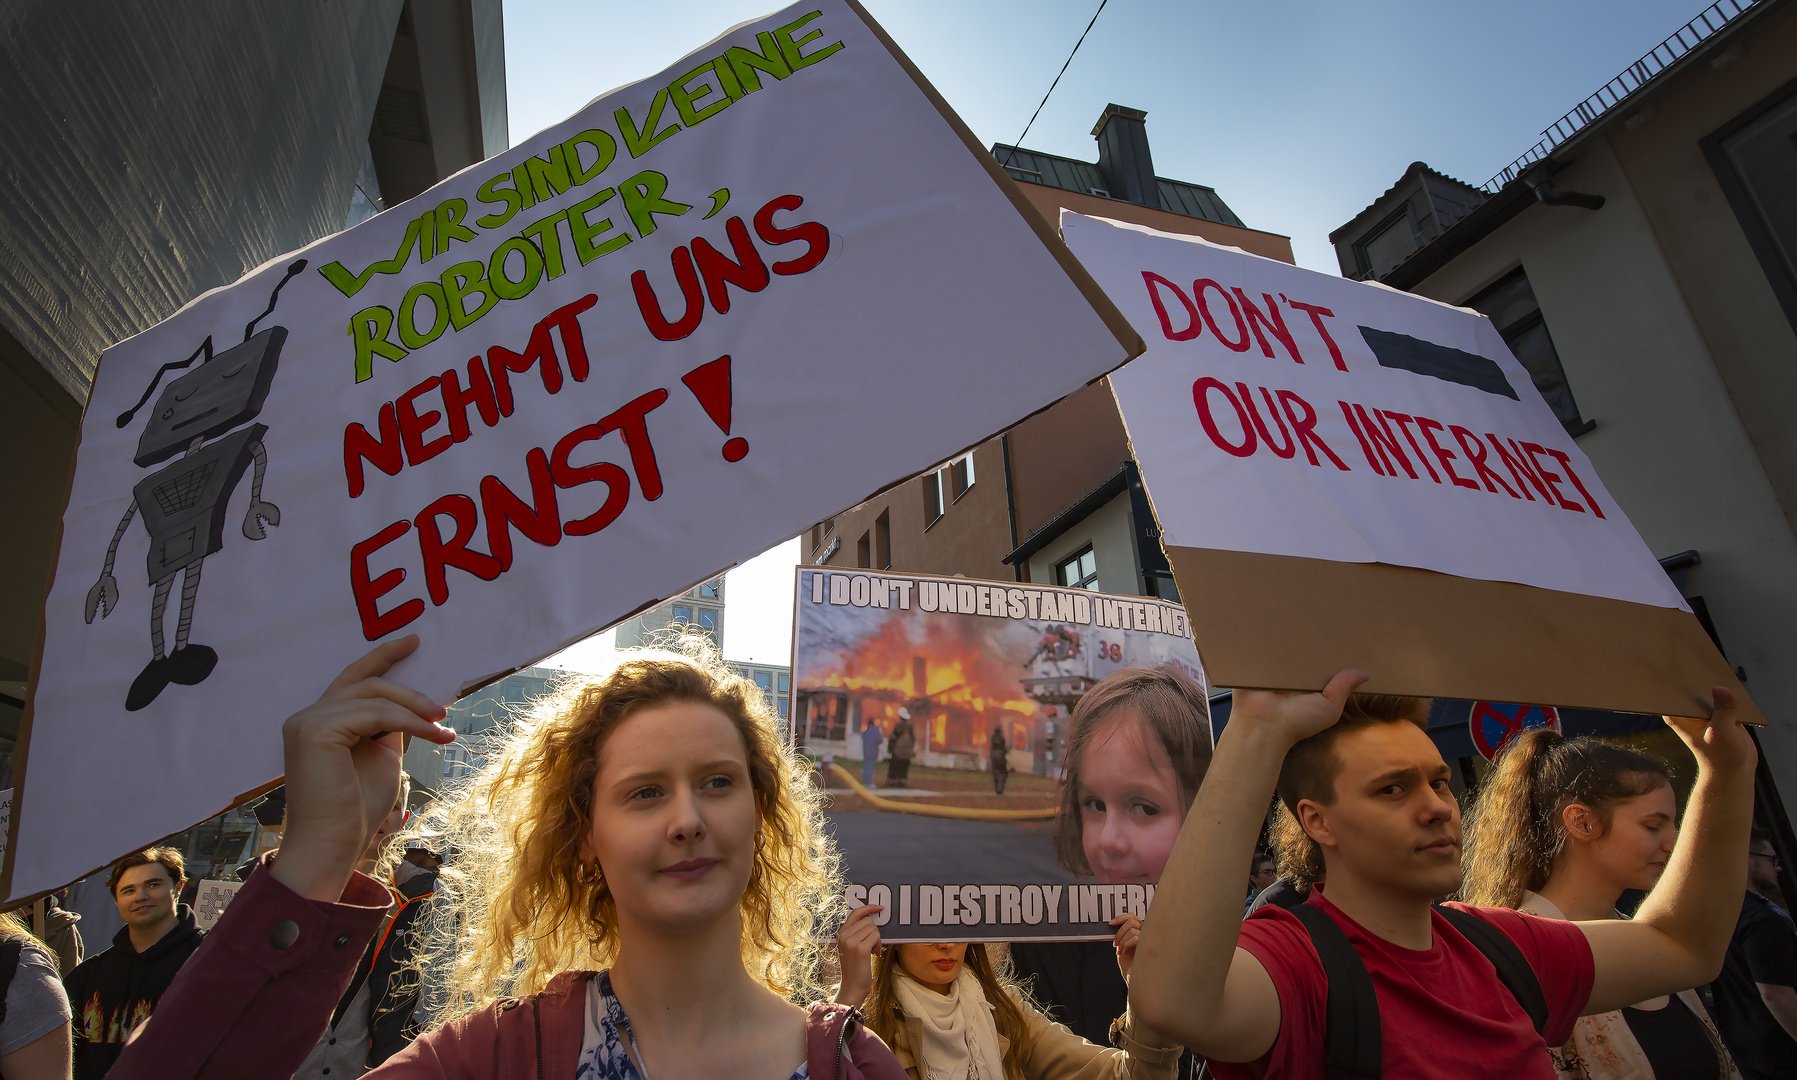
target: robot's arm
259 511
104 596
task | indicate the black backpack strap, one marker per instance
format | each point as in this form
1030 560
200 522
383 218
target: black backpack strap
1353 1047
1512 969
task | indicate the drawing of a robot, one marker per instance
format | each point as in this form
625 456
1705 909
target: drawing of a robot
184 504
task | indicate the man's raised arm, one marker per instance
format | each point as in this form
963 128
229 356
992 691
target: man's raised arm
1678 937
1189 980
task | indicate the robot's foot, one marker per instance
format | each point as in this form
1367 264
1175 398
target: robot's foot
186 666
147 685
191 665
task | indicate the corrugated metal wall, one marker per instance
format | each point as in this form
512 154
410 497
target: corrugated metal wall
150 152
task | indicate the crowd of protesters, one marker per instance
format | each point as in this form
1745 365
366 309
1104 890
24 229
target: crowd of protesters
639 884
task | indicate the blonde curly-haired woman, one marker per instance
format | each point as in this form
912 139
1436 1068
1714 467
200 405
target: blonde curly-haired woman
640 883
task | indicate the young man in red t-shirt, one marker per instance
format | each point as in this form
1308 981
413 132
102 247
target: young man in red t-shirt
1371 793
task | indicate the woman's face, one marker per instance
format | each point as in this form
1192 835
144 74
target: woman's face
1130 808
936 966
1633 854
674 818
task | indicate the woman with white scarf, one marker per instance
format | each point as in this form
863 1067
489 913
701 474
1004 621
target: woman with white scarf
950 1013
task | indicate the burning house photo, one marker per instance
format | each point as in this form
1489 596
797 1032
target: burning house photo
938 711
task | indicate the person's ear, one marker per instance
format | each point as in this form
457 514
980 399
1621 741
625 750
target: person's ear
1315 823
1580 823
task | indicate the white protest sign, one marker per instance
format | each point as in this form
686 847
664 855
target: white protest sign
1286 413
568 382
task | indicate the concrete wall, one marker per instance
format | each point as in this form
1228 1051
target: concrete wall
1111 531
1670 441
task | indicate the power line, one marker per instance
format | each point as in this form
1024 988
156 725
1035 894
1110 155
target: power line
1057 79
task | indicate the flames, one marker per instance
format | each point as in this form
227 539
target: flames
93 1019
962 666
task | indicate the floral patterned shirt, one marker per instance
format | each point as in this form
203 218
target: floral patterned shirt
605 1046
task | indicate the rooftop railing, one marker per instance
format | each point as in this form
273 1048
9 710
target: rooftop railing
1619 89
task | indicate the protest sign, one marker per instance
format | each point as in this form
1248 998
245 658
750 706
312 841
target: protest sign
647 343
925 697
211 900
1350 476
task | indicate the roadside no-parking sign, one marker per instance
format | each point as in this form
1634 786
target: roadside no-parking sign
1494 724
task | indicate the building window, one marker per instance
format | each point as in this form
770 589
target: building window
1755 161
708 621
1079 571
710 590
817 537
785 683
764 680
1160 584
883 541
783 709
829 526
932 498
1511 306
683 615
864 551
1389 244
960 476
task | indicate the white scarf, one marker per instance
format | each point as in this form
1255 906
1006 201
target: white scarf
960 1041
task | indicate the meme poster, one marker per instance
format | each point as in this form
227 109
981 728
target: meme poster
940 712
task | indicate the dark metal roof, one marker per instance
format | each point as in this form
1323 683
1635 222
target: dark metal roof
1051 170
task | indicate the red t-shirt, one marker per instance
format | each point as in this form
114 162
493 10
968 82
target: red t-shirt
1443 1010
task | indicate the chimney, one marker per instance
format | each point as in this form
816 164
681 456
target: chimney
1123 159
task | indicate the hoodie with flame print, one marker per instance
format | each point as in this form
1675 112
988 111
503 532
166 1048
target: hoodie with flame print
116 990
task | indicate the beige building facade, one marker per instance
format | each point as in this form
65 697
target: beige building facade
1670 311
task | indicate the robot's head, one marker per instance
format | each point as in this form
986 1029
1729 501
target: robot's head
222 394
226 391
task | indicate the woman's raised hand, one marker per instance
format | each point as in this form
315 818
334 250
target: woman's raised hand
1129 931
343 764
857 943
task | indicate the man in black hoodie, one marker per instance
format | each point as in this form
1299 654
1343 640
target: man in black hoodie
114 991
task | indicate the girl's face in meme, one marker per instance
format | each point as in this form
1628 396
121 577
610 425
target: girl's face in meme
1130 808
674 817
936 966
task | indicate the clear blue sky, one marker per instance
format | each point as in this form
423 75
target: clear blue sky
1298 112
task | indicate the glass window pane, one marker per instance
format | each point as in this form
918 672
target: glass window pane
764 679
785 682
683 614
1389 246
708 619
782 708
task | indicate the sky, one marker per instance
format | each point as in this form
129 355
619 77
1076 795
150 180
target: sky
1298 112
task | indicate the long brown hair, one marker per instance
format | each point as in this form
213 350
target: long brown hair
1007 998
1309 772
517 907
1515 831
1173 708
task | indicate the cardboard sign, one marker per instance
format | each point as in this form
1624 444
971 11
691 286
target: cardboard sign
939 711
1351 476
568 382
211 901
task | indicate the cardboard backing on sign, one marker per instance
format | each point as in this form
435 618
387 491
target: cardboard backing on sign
1278 622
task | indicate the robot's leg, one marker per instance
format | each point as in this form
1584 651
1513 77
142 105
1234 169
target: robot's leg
189 664
157 605
155 674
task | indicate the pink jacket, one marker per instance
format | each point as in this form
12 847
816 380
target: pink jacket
256 996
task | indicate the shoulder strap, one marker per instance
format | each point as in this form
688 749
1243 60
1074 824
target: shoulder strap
1513 969
1353 1047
